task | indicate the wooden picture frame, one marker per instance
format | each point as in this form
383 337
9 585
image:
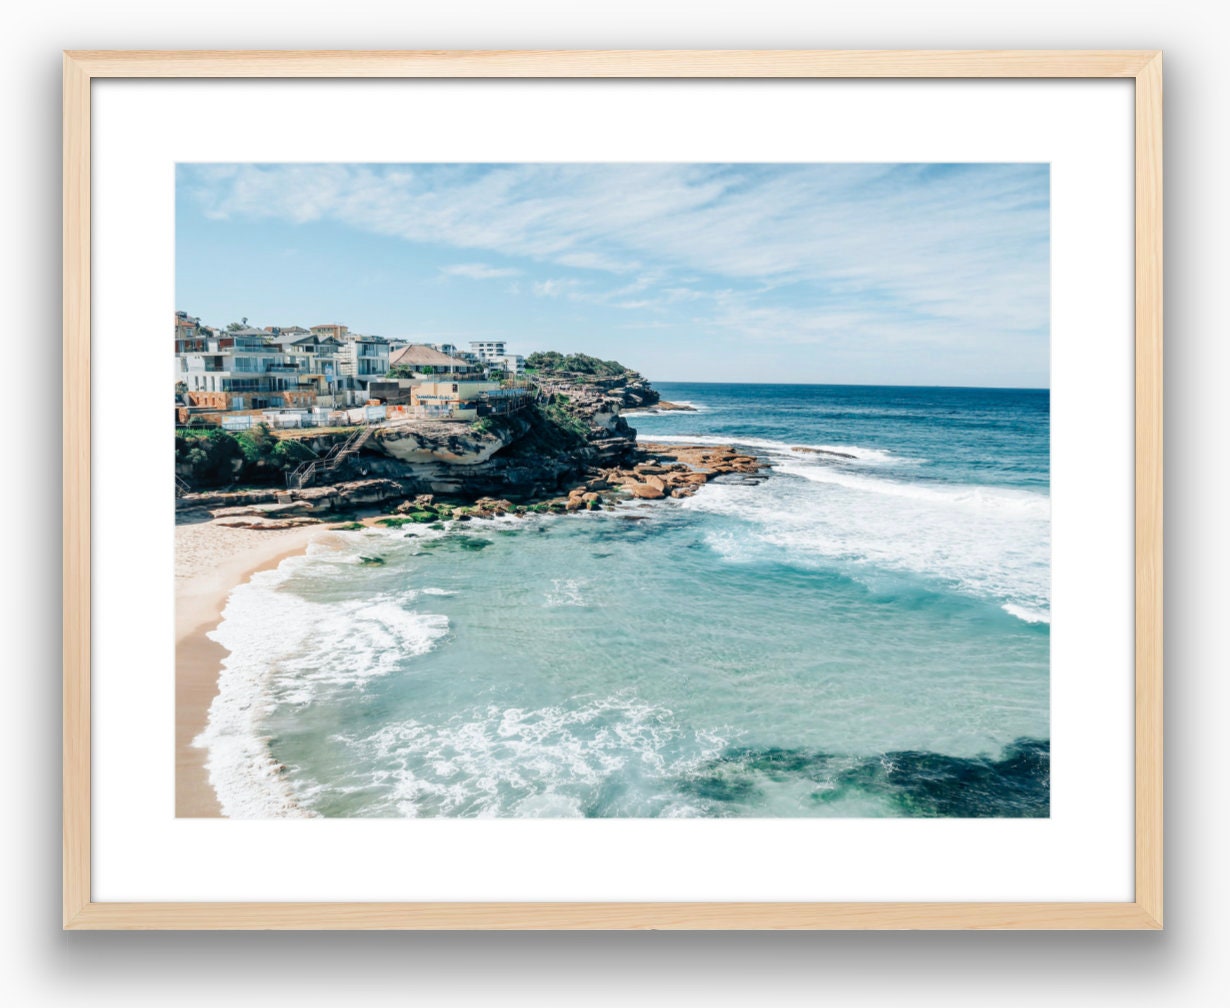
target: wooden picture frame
80 68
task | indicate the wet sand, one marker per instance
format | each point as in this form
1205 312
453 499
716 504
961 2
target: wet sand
210 561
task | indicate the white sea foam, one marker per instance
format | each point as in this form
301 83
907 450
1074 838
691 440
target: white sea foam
991 542
1027 614
653 411
785 449
973 497
285 650
549 761
565 592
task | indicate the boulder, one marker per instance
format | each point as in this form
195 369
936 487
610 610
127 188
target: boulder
268 524
646 491
263 510
423 502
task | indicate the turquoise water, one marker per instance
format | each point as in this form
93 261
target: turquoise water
862 636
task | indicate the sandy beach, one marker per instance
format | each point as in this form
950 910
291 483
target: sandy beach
210 561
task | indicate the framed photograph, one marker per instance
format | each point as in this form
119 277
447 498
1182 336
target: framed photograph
539 490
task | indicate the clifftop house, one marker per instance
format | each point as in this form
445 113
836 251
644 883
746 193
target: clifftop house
492 353
423 359
313 373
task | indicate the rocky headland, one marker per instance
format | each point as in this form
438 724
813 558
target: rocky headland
653 472
662 406
570 450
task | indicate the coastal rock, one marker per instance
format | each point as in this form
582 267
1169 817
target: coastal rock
656 482
453 442
736 478
261 510
269 524
423 502
663 406
822 451
646 491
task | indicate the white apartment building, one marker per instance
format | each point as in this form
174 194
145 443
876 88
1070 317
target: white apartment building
365 357
487 350
243 370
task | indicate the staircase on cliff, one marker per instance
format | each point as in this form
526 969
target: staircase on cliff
309 471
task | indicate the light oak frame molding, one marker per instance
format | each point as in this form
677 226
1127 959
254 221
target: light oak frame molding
1144 66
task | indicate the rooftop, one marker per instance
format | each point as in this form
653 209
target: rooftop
418 355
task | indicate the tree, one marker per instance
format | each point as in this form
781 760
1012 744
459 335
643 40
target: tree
545 360
210 457
258 443
550 361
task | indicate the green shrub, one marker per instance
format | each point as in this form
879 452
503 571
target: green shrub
258 443
210 456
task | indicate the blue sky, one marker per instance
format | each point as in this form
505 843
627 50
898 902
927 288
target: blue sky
830 273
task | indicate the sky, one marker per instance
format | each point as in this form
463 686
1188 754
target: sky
877 274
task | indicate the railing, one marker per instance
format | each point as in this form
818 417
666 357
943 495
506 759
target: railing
505 402
246 421
307 472
182 489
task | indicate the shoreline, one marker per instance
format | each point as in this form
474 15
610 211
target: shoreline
210 562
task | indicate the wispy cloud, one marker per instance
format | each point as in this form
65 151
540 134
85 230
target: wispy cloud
937 255
554 288
480 271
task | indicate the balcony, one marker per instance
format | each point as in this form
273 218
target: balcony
245 385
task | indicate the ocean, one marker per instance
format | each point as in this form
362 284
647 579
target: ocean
863 633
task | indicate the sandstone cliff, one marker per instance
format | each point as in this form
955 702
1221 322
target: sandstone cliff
574 426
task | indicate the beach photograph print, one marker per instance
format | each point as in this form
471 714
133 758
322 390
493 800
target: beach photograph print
612 490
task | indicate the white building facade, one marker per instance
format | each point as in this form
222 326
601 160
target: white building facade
487 350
